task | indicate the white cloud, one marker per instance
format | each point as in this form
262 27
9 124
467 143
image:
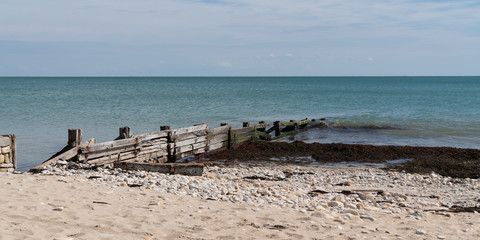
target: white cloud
238 30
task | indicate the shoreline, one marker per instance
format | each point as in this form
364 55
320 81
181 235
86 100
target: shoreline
68 201
446 161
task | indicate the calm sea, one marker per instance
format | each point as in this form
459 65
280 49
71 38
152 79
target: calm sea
419 111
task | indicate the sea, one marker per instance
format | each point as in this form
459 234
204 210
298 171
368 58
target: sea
415 111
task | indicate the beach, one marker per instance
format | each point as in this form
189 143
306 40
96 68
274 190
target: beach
70 201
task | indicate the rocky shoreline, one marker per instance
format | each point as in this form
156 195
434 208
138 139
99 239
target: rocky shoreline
349 191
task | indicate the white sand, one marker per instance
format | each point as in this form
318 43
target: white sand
55 207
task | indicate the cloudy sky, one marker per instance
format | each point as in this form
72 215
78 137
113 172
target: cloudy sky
239 38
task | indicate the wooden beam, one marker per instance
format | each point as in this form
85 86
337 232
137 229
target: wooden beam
199 127
190 169
64 156
222 129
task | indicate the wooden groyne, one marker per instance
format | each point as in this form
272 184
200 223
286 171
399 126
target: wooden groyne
167 146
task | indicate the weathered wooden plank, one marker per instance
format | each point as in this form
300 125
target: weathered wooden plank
112 158
5 141
191 141
190 147
240 140
190 153
189 169
284 124
303 122
185 136
199 127
92 155
218 130
153 135
105 146
162 147
126 143
64 156
218 138
136 156
242 131
158 141
158 152
264 135
216 146
284 135
161 168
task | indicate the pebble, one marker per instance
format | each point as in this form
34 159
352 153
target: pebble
421 232
412 193
368 218
58 209
335 204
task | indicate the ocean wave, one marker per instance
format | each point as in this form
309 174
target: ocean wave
361 125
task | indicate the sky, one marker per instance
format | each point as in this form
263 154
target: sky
239 38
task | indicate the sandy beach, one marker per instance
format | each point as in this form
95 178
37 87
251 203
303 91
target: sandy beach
287 202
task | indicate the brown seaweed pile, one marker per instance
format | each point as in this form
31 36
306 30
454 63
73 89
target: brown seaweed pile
446 161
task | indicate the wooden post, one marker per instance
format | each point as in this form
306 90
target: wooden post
170 146
13 149
74 137
276 126
261 129
223 124
124 133
246 124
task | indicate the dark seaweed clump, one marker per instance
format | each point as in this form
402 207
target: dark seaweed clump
446 161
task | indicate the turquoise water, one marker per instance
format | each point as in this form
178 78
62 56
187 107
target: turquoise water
420 111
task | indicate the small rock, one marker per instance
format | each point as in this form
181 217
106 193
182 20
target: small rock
62 162
58 209
440 237
335 204
351 211
322 215
339 198
368 218
422 232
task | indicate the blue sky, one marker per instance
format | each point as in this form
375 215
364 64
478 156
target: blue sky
239 38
